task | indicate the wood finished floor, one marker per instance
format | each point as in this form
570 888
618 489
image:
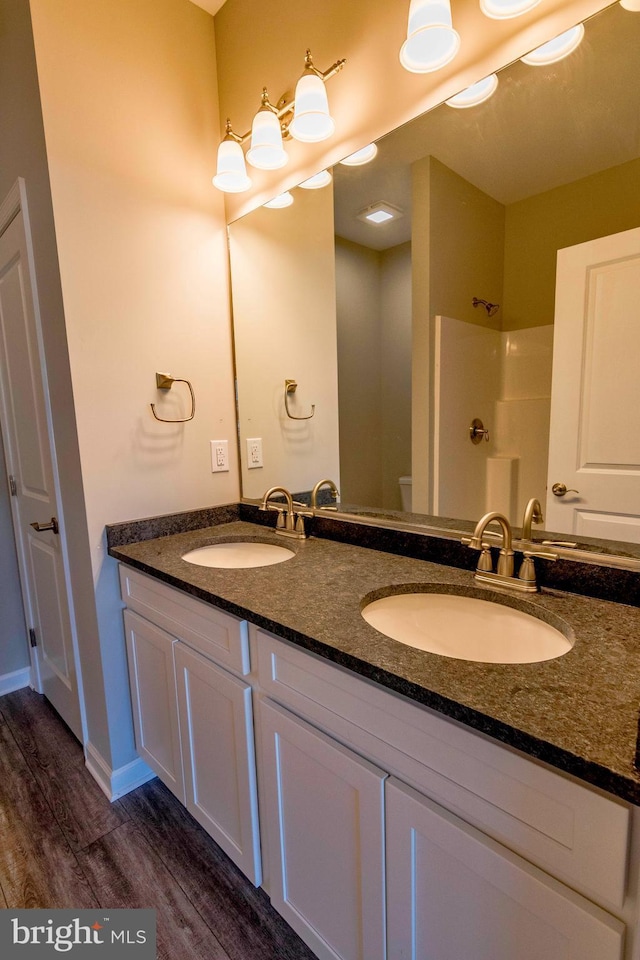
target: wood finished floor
62 844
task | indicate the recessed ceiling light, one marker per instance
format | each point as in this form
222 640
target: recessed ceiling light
365 155
282 200
556 49
322 179
475 94
380 212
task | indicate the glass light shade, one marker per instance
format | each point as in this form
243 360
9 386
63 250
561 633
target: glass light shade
475 94
311 119
633 5
282 200
322 179
556 49
231 173
431 40
364 155
505 9
267 152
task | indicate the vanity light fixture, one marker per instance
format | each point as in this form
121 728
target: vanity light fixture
282 200
431 40
318 180
380 212
364 155
306 118
505 9
475 94
556 49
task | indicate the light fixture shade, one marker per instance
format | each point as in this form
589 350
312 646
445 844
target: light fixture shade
556 49
311 119
633 5
282 200
267 152
231 172
475 94
318 180
431 40
505 9
364 155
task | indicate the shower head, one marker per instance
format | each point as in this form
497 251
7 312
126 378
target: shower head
491 308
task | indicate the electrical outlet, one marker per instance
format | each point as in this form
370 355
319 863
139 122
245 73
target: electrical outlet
219 456
254 452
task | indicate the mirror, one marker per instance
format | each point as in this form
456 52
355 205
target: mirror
384 329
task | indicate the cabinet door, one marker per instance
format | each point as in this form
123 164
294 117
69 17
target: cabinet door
324 811
216 727
454 893
153 699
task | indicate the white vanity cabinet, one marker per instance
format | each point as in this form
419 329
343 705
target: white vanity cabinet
193 715
488 856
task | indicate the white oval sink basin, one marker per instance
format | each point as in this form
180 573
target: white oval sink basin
466 628
238 554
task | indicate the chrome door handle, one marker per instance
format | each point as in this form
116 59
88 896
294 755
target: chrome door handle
559 490
43 527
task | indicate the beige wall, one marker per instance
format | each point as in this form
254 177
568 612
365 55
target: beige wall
129 105
285 329
536 228
261 44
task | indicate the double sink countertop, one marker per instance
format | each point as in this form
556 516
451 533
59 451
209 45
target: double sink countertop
578 712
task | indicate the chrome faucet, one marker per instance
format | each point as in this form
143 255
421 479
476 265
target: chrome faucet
532 514
335 493
290 522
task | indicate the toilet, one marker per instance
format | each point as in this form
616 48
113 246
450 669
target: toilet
405 493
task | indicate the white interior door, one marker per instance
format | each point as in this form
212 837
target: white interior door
29 454
594 448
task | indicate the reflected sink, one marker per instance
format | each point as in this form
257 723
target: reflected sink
238 554
466 628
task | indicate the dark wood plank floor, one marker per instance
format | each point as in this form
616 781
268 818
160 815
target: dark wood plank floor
62 844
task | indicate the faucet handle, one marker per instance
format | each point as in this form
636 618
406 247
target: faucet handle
543 554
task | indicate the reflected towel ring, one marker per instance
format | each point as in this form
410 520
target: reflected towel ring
290 386
164 381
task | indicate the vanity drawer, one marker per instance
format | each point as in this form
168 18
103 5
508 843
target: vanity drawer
576 833
218 635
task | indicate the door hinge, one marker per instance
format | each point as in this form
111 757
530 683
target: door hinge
13 486
32 637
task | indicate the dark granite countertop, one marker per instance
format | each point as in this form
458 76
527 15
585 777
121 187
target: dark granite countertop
578 712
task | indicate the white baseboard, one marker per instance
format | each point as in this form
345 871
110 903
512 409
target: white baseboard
15 681
116 783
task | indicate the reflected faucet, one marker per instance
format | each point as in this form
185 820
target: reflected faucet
532 514
335 493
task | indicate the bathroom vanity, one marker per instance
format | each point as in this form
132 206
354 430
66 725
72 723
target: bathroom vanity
393 803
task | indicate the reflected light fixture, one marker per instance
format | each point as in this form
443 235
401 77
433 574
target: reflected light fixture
556 49
431 40
364 155
318 180
475 94
282 200
380 212
505 9
633 5
306 117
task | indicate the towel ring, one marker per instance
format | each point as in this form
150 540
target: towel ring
290 386
164 381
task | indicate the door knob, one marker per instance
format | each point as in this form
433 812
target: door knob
559 490
42 527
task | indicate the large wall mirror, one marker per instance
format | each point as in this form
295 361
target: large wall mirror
504 292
